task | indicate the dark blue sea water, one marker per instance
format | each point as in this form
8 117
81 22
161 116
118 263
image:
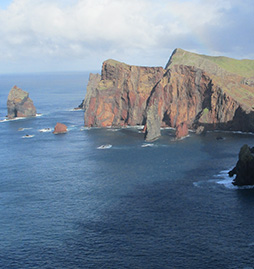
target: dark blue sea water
66 204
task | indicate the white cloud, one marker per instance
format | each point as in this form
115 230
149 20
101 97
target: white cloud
67 33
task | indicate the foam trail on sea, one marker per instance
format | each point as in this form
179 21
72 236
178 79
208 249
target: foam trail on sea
23 129
20 118
45 130
106 146
147 145
27 136
113 129
227 181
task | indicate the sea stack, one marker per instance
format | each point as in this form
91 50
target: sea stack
19 104
181 130
60 128
244 169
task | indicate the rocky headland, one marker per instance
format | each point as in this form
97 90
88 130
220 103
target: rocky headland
192 91
244 169
19 104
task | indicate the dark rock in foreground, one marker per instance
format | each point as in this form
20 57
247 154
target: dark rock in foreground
19 104
244 169
60 128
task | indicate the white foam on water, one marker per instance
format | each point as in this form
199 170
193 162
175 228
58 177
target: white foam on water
106 146
23 129
147 145
167 128
45 130
227 181
113 129
27 136
20 118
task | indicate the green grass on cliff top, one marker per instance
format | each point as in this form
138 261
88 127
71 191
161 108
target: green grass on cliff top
213 64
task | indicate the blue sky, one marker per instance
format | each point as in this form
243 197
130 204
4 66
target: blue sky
61 35
4 3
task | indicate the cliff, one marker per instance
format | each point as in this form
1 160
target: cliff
19 104
118 96
193 89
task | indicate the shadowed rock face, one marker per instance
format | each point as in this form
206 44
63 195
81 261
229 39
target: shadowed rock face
156 97
118 97
244 169
19 104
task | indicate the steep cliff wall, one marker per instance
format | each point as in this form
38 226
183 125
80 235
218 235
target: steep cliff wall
118 97
131 95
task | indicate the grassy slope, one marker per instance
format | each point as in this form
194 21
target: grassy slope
243 68
227 72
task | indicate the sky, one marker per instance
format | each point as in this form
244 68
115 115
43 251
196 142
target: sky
78 35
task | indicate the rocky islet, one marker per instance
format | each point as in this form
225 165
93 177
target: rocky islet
19 104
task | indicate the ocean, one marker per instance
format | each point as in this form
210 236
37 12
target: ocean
67 202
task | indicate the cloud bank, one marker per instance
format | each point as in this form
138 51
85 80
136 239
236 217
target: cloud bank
47 35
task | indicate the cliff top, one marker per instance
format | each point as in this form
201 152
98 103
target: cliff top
235 77
217 65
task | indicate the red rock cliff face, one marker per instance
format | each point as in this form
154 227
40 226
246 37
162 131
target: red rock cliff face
187 94
119 96
130 95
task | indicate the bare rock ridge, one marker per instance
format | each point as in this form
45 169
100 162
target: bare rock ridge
19 104
193 90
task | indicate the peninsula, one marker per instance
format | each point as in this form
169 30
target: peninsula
193 90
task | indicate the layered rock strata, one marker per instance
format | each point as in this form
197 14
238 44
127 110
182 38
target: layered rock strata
19 104
156 97
119 96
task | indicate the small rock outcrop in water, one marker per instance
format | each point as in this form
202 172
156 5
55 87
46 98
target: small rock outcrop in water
244 169
60 128
19 104
181 130
201 130
196 89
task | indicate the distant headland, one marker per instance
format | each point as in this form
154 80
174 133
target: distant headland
193 90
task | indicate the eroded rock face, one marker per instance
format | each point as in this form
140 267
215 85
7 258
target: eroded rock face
60 128
156 97
19 104
118 97
181 130
187 94
244 169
